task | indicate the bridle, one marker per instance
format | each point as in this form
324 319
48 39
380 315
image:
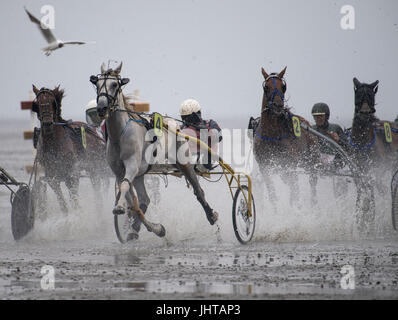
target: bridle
276 92
364 95
112 100
41 113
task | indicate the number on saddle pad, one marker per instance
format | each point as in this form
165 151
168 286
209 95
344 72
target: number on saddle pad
387 131
83 134
158 124
296 126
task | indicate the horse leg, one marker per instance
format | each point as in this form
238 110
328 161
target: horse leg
143 199
56 186
190 174
291 179
313 180
72 183
95 180
270 187
128 200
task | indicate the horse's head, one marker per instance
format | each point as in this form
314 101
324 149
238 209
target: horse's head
47 105
365 99
274 92
108 85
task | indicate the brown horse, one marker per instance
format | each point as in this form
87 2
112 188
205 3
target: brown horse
373 143
278 144
66 148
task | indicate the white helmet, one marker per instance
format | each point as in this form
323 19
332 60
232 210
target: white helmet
92 104
189 106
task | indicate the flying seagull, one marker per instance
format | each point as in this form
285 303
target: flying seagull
53 43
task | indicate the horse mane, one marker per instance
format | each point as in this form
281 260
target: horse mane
59 95
127 100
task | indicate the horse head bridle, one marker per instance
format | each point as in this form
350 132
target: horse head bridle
365 94
112 100
276 92
37 107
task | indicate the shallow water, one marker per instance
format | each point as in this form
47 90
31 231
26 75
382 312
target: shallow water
297 252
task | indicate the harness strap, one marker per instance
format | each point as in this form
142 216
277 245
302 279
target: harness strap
354 145
134 120
270 139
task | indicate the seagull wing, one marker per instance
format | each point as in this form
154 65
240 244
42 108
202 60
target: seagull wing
45 32
74 42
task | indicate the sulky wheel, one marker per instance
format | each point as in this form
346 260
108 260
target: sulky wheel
394 208
22 214
122 222
123 228
242 223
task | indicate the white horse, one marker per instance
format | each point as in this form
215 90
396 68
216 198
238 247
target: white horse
126 149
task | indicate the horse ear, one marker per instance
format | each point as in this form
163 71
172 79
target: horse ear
35 107
264 73
56 90
282 73
94 80
375 86
35 90
125 81
356 83
103 68
119 68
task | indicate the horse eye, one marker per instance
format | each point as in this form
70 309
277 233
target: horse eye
114 85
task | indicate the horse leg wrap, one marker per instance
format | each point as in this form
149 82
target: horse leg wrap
156 228
143 207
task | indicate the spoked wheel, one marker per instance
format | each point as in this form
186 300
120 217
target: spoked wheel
394 193
243 224
122 222
123 226
395 208
22 213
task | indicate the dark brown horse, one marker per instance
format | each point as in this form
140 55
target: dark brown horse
278 143
66 148
373 142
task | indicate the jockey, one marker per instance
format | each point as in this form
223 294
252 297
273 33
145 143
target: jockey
321 114
93 120
205 130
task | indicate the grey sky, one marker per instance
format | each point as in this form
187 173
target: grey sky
210 50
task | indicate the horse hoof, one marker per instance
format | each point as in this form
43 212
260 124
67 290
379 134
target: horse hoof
159 230
213 217
132 236
119 210
162 232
